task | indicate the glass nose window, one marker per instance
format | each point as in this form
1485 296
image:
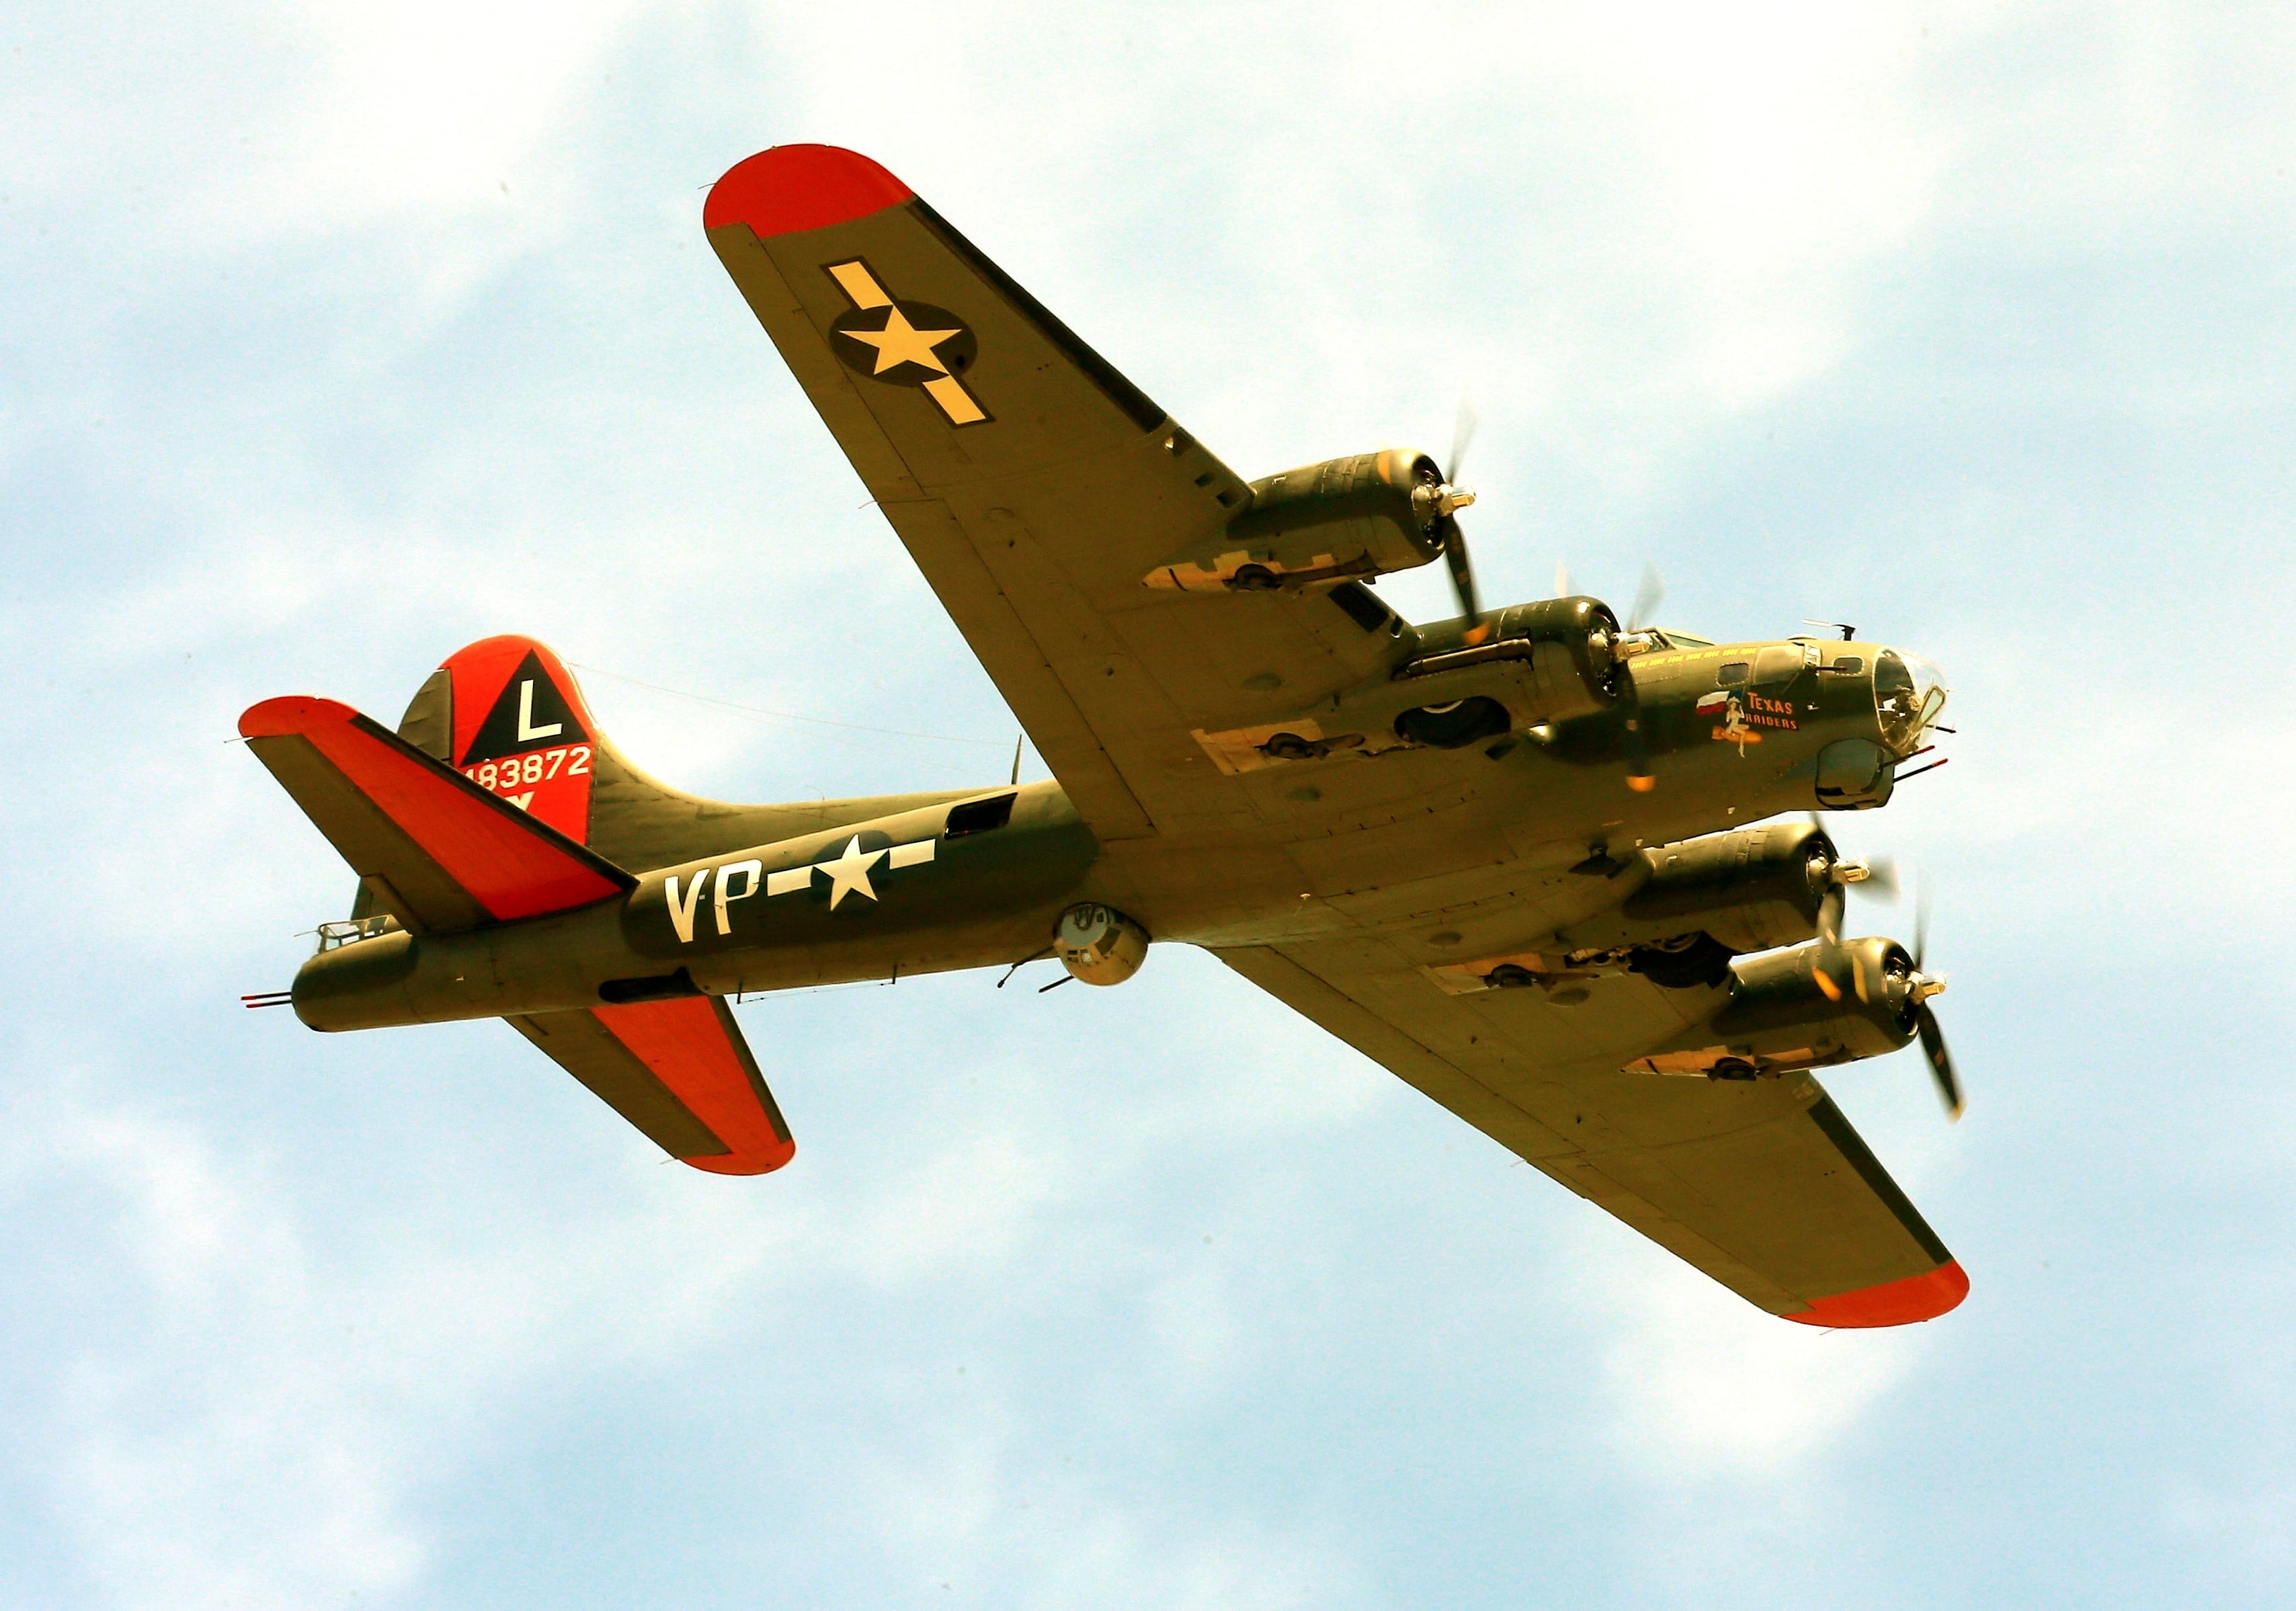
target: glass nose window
1908 694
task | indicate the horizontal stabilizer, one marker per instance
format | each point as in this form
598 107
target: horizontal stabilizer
680 1071
438 851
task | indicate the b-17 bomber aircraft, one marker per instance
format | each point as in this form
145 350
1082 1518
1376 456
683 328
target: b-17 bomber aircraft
1562 874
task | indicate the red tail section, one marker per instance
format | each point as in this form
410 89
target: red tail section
519 730
693 1047
478 811
680 1072
451 855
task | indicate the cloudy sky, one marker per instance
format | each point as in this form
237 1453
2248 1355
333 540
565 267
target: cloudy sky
333 338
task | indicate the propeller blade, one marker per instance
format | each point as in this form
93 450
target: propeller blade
1829 915
1462 431
1648 597
1463 580
1634 740
1948 1083
1920 929
1881 878
1561 580
1454 541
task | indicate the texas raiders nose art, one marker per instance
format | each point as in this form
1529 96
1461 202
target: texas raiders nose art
905 343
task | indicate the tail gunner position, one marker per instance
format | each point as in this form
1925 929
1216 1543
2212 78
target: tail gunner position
1553 871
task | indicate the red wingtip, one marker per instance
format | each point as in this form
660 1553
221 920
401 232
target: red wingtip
290 713
1899 1303
794 187
763 1162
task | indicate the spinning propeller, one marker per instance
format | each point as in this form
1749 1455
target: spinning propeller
1878 877
1920 987
1909 991
1444 499
1648 596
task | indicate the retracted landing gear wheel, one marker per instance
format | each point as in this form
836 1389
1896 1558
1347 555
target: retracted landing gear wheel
1693 962
1455 725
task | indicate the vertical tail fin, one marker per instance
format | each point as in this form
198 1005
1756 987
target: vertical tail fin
507 714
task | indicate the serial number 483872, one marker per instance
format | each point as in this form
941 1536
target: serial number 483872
515 772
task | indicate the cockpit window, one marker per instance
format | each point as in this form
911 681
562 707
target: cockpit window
1681 640
1908 694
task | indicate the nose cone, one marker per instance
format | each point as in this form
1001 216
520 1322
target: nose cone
1908 694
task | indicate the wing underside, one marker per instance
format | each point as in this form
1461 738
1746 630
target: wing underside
679 1071
1761 1184
1035 488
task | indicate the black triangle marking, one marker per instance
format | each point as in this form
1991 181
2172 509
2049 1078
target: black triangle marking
530 714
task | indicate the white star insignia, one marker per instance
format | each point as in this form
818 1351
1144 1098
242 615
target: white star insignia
900 343
849 874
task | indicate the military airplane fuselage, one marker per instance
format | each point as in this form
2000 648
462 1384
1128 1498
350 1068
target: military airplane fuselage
1486 830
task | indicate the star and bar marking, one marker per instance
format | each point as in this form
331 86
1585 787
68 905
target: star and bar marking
915 344
848 873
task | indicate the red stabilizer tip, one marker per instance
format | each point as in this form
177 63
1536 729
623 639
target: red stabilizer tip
291 713
794 187
1901 1302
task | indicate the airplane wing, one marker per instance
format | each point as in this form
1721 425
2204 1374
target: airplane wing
1035 487
1762 1184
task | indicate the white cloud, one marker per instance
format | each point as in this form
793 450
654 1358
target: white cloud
226 1447
1626 229
1704 1385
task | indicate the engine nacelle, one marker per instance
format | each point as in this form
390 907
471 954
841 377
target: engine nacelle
1555 659
1752 889
1321 524
1099 944
1801 1008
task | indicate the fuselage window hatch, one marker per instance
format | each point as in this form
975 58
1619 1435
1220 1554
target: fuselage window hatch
1733 674
979 816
